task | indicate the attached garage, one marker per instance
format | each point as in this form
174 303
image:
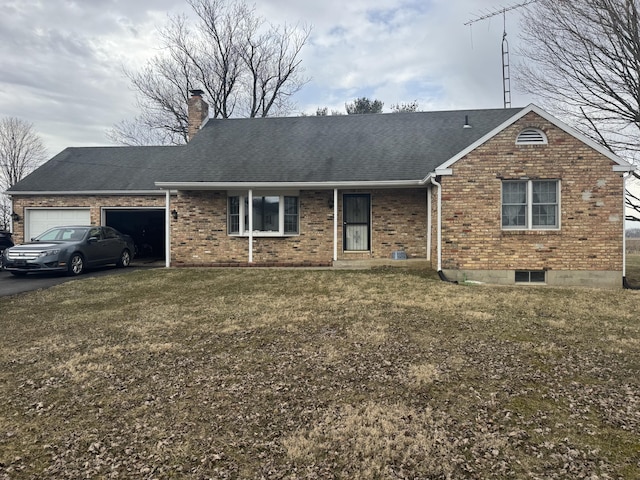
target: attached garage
145 225
38 220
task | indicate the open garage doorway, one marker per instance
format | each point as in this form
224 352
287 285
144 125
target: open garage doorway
145 225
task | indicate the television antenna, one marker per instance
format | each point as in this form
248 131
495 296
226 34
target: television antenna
506 76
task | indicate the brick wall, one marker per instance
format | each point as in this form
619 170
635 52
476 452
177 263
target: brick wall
199 235
94 202
590 237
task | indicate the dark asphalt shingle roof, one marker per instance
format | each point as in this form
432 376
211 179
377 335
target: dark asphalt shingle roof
95 169
348 148
375 147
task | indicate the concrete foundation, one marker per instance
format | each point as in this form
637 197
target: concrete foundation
558 278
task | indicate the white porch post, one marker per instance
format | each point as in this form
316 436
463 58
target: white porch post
335 224
167 229
250 226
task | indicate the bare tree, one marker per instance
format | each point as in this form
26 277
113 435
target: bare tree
582 59
21 151
246 67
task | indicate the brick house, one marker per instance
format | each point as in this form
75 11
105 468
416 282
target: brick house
501 195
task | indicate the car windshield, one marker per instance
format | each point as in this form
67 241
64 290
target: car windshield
62 234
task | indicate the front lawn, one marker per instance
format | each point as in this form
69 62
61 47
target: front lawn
251 373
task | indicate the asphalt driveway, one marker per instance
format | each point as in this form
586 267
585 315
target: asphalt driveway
12 285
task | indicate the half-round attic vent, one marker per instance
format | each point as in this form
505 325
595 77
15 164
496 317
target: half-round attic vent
531 136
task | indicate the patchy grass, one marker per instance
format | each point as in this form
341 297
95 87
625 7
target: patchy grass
195 373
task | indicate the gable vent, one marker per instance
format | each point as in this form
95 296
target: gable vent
531 136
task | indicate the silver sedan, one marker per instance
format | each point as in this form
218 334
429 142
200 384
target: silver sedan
71 250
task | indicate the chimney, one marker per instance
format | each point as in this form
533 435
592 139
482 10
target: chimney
197 111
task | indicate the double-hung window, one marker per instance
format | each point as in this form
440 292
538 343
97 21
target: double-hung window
530 204
272 215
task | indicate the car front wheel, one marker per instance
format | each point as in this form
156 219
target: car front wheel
76 264
125 258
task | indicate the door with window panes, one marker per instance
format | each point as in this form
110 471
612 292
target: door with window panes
357 222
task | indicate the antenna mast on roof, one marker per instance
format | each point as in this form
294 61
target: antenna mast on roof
506 76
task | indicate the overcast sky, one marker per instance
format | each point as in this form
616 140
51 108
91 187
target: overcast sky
62 60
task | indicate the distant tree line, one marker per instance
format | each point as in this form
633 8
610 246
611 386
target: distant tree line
364 105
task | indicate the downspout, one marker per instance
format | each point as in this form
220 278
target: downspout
625 282
250 226
429 221
441 274
335 224
167 230
624 229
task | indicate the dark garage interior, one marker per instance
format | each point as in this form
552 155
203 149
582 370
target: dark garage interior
145 226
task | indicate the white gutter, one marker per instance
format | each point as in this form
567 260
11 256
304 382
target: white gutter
335 224
285 185
167 228
250 226
439 220
88 192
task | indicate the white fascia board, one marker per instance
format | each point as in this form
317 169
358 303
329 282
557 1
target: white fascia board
621 165
89 193
286 185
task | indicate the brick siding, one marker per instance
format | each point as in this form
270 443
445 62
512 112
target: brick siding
590 237
199 235
591 215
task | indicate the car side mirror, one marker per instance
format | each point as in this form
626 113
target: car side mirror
92 239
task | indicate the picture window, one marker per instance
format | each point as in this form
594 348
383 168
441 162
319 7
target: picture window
273 215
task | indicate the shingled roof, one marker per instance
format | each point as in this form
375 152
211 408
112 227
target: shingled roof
100 169
348 148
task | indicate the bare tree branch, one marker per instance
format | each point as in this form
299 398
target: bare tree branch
582 60
246 67
21 151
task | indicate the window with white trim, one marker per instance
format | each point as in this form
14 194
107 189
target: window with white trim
530 204
273 215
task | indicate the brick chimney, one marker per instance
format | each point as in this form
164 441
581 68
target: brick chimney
197 111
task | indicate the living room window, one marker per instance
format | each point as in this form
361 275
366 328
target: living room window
273 215
530 204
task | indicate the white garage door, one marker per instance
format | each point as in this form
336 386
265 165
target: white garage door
39 220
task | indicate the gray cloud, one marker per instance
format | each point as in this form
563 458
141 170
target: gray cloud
61 60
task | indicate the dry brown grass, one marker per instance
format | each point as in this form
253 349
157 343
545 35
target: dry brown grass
633 269
317 374
633 246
